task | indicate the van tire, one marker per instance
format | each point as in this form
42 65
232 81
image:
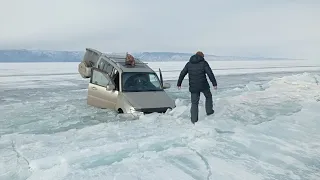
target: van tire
120 111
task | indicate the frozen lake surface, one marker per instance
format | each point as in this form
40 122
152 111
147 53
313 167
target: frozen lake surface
266 126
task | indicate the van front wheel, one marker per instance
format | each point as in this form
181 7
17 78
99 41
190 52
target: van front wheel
120 111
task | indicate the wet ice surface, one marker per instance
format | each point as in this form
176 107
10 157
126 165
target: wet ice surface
266 126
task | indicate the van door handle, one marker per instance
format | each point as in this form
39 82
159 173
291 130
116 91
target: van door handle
94 88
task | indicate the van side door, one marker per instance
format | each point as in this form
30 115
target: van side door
99 94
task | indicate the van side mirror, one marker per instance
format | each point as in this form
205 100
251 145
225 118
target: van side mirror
110 87
166 85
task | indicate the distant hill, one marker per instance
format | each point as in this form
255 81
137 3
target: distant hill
76 56
40 56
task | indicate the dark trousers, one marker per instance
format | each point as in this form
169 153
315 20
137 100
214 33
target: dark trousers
195 97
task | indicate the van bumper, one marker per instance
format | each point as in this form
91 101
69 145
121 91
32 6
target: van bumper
153 110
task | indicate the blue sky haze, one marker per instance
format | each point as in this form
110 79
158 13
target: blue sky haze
273 28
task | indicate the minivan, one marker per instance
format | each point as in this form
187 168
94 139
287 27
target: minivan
115 84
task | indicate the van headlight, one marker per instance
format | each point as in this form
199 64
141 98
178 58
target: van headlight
135 112
132 110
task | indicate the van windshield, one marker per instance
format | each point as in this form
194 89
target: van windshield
140 81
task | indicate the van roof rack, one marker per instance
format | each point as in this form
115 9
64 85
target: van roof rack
121 58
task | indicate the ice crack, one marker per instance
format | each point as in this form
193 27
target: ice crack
205 162
18 153
315 78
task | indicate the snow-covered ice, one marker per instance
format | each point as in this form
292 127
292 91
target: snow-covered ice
266 126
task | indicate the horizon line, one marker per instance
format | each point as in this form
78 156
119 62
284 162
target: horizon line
173 52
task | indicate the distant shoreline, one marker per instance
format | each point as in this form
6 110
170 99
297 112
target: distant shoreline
147 61
18 56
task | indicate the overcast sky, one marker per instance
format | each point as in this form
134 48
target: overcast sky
281 28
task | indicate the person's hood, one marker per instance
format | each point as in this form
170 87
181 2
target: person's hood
196 59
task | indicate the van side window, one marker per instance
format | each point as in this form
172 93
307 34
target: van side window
109 69
105 67
101 64
100 79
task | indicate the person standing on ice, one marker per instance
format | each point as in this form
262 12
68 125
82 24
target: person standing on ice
197 68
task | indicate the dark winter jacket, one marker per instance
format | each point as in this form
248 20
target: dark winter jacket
197 68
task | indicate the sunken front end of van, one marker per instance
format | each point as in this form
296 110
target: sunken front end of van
147 102
144 93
